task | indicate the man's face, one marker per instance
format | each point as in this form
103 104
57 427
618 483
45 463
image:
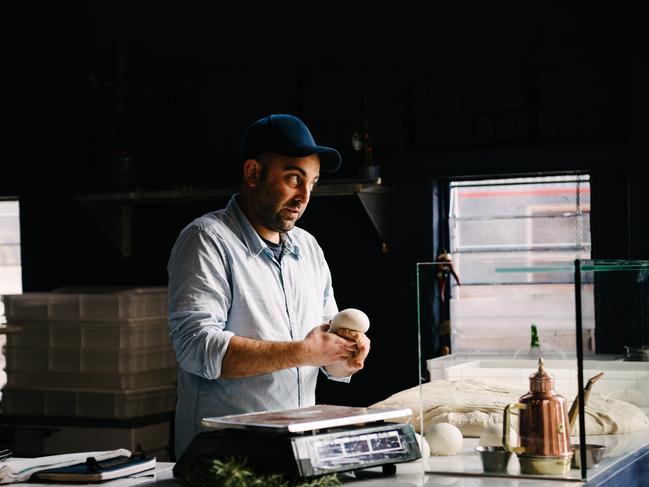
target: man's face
284 190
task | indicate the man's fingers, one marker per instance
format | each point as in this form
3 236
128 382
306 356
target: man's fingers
364 350
355 349
346 333
355 363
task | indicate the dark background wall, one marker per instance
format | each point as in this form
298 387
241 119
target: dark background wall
469 88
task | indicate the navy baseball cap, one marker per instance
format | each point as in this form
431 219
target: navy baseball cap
286 135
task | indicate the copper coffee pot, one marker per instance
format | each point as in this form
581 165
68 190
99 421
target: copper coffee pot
543 427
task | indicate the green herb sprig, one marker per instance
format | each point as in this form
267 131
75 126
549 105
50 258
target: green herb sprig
235 472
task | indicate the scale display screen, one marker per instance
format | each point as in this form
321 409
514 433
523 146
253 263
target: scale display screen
368 447
346 450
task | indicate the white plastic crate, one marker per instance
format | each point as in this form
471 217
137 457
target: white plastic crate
152 439
53 436
90 304
29 379
89 360
90 403
107 335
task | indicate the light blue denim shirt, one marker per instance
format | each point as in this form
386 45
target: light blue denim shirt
225 281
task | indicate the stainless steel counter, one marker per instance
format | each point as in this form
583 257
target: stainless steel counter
627 465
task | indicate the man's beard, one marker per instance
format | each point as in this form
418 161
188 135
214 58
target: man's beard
268 211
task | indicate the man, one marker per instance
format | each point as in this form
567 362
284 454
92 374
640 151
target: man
250 293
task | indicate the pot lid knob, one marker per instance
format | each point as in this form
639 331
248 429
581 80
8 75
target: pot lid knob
541 380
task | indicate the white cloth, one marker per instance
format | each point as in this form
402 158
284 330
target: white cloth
470 404
21 469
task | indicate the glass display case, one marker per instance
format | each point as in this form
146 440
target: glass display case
542 367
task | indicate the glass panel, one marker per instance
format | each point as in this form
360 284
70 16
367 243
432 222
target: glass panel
567 302
499 301
480 269
621 315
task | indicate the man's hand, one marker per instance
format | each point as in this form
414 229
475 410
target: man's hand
342 353
320 347
355 363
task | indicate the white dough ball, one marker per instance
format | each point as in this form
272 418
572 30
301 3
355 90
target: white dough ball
351 318
444 439
492 435
423 446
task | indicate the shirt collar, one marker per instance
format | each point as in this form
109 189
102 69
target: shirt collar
290 246
250 236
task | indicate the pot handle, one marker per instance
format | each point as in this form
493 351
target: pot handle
506 422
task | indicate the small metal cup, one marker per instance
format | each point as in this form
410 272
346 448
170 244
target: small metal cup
593 455
494 458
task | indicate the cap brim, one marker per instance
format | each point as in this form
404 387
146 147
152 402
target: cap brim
330 159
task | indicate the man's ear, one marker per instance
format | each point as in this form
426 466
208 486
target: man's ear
251 172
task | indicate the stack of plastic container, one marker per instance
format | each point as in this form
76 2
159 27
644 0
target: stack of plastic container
89 353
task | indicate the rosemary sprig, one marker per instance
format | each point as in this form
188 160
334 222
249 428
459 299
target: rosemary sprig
235 472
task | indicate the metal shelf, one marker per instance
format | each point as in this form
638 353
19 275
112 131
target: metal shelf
112 211
343 187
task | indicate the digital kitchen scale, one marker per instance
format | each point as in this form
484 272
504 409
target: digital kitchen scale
305 442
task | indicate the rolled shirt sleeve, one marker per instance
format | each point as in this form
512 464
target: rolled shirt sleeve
199 299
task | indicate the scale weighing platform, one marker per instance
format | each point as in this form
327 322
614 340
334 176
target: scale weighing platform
306 442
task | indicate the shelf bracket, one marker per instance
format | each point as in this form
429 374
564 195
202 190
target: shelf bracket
377 204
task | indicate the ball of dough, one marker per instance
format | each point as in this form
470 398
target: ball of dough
444 439
492 435
423 445
351 318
